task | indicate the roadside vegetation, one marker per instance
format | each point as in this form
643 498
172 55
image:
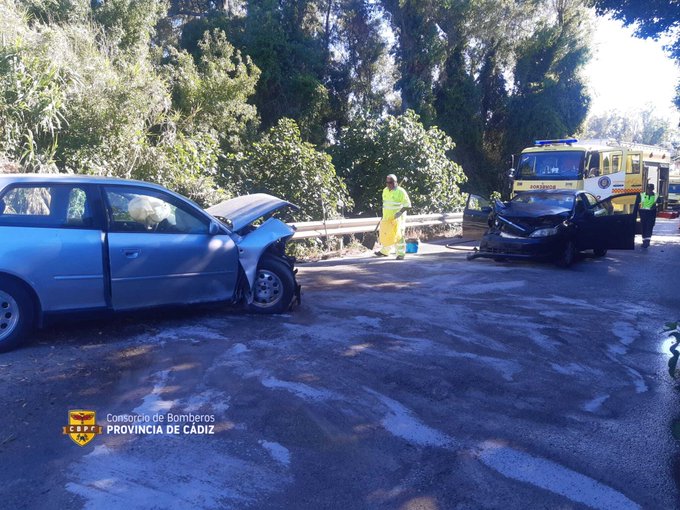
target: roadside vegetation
312 100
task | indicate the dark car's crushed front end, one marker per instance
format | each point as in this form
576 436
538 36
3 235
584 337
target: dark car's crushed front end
525 231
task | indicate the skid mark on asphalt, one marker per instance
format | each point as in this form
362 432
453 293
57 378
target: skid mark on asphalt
402 423
625 332
301 390
593 405
150 476
277 451
553 477
153 402
638 380
210 401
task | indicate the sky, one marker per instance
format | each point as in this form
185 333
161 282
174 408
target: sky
627 73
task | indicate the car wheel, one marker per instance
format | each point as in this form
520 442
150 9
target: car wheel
274 287
16 314
568 255
600 252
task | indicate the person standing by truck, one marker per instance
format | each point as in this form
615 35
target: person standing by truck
393 223
647 214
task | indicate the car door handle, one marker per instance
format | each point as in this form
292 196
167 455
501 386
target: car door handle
131 253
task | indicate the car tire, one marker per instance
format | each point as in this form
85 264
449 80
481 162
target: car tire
568 255
16 314
600 252
274 286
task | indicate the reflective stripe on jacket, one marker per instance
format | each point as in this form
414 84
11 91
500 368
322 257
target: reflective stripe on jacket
393 201
647 201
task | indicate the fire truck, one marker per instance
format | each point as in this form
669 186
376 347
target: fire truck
601 167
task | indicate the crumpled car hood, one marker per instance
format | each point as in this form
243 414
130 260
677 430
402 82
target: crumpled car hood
525 218
242 211
531 210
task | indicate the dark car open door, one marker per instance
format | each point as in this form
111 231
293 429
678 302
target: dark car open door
613 221
475 217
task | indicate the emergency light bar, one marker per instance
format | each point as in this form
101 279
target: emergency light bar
567 141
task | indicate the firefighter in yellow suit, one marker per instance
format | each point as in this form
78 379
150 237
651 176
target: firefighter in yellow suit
393 223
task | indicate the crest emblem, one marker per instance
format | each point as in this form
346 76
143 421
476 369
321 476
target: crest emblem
82 426
604 182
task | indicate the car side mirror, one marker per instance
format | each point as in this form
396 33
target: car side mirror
511 173
486 209
214 229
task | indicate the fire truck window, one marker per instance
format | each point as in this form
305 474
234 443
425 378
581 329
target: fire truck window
634 164
606 168
616 162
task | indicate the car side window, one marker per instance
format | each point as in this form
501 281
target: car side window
477 203
58 205
142 210
580 206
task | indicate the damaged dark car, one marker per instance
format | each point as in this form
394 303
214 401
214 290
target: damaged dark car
555 225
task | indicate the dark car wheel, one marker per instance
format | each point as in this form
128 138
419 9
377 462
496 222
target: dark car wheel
568 255
274 287
600 252
16 314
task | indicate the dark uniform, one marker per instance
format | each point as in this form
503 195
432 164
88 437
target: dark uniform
648 214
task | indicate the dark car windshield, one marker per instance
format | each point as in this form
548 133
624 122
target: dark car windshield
562 200
551 165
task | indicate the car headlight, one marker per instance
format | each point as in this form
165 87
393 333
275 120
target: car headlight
544 232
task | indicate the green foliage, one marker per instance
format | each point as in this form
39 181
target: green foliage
57 10
129 24
551 100
177 91
651 18
643 126
212 91
282 164
32 102
369 149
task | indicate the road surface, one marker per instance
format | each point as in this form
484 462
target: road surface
429 383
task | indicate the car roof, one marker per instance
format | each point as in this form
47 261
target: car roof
551 192
6 179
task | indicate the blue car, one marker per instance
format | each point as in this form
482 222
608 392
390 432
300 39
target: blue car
82 243
556 225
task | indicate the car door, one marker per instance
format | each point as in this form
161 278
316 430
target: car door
161 250
611 222
51 237
475 217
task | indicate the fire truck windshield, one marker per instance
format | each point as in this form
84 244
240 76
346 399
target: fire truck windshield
551 165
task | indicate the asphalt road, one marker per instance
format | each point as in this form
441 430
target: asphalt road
432 383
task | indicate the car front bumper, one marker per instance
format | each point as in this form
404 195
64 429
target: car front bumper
494 245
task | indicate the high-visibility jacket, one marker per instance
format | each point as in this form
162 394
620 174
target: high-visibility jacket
393 201
648 201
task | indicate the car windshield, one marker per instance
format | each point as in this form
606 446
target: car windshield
550 165
562 200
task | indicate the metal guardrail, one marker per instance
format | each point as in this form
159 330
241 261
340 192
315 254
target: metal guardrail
307 229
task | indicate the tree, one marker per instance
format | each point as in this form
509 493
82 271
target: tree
652 19
370 148
213 90
642 126
421 50
282 164
550 98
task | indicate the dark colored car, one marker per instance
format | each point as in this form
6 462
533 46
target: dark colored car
557 224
